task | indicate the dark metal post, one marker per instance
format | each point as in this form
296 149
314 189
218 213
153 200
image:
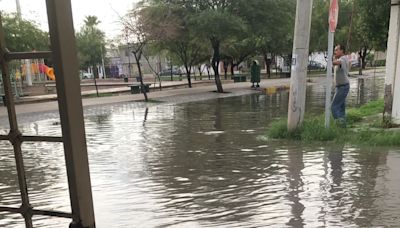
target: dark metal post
15 134
71 111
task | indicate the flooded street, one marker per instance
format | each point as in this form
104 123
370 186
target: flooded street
209 164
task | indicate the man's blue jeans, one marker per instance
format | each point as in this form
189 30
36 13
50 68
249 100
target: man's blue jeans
339 102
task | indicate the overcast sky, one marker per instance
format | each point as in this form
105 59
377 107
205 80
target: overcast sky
106 10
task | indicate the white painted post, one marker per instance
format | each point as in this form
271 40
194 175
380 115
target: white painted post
333 19
298 82
328 89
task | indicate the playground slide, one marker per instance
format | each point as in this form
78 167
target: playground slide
48 71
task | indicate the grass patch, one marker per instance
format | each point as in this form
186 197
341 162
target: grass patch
313 129
365 127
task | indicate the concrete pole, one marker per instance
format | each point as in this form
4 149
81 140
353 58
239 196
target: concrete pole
19 14
392 56
64 55
298 82
396 90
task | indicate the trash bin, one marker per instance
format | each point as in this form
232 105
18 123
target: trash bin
135 89
147 88
126 79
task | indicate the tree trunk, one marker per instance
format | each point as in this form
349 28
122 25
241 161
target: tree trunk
226 63
268 64
350 27
215 64
362 57
188 74
143 89
208 72
95 74
232 68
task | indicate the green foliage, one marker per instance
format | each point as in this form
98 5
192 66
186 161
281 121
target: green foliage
217 24
376 137
270 24
362 23
372 22
371 108
23 35
90 43
313 129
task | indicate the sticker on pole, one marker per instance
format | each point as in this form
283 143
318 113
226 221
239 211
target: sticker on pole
333 15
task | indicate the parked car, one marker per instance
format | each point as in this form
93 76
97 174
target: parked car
313 65
86 75
167 72
355 64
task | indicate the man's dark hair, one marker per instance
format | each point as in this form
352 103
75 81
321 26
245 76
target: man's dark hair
342 47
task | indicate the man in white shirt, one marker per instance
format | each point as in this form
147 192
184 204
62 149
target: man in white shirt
341 64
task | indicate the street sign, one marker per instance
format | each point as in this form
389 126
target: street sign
333 15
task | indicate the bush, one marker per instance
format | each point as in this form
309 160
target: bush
379 63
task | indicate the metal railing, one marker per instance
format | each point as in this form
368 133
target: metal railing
71 112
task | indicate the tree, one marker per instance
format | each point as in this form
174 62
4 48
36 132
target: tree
90 42
371 25
169 31
270 26
362 26
24 35
215 23
137 38
238 49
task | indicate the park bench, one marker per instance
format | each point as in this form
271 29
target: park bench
239 78
3 99
136 88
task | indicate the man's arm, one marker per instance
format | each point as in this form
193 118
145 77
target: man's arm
337 62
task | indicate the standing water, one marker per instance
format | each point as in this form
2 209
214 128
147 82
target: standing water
209 164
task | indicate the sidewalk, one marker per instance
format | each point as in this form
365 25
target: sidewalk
234 89
123 88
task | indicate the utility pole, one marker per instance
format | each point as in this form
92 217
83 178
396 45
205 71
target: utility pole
103 70
298 82
391 61
19 14
27 61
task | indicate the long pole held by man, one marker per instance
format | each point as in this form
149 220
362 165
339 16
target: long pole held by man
333 18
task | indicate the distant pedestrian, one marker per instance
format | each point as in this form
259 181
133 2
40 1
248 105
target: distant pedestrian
255 73
341 64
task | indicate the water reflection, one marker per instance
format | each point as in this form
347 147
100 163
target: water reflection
207 164
294 176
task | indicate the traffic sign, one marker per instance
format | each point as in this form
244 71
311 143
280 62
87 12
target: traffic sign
333 15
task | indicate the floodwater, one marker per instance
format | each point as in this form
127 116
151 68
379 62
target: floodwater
208 164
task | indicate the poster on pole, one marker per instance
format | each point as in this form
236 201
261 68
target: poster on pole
333 15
